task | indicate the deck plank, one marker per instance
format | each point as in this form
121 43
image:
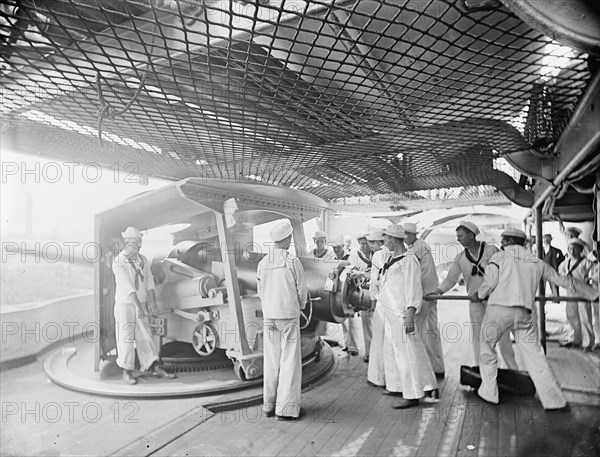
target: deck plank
317 413
444 433
380 427
488 433
468 443
507 429
348 434
331 412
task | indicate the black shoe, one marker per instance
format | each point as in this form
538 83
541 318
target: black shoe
353 352
269 413
345 349
406 403
391 393
158 372
128 378
366 358
568 344
441 375
433 394
564 409
301 413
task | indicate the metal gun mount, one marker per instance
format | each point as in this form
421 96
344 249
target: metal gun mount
206 284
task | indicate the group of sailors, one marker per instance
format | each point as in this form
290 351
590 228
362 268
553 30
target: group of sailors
581 262
402 339
401 332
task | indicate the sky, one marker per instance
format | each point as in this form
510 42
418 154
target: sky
64 196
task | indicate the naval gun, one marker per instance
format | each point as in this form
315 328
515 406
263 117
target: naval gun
206 284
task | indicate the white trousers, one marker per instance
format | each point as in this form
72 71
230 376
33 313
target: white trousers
414 367
382 369
282 369
349 329
476 313
431 333
133 333
579 315
498 321
367 325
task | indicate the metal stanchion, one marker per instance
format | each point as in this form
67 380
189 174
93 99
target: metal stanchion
541 308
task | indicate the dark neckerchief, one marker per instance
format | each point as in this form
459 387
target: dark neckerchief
480 269
571 269
364 259
138 272
319 256
387 265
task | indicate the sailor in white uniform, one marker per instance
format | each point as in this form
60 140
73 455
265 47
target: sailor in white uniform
579 314
349 325
429 282
382 370
511 280
283 293
135 299
361 259
401 297
471 263
320 250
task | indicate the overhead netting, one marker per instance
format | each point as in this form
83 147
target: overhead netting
340 98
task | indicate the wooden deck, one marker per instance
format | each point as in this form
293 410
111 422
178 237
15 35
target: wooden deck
346 416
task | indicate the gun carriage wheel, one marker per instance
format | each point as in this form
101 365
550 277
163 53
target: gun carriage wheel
205 339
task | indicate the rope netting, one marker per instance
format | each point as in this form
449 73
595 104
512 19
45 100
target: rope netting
341 98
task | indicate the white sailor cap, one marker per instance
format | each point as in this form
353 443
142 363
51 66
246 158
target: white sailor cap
363 235
375 236
281 231
469 226
409 227
514 232
319 234
395 230
578 242
336 241
132 232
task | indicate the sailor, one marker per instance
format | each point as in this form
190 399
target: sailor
349 325
283 293
471 263
347 244
382 370
337 245
135 299
570 233
533 245
361 260
552 256
509 285
579 314
594 280
107 278
401 297
429 282
320 251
